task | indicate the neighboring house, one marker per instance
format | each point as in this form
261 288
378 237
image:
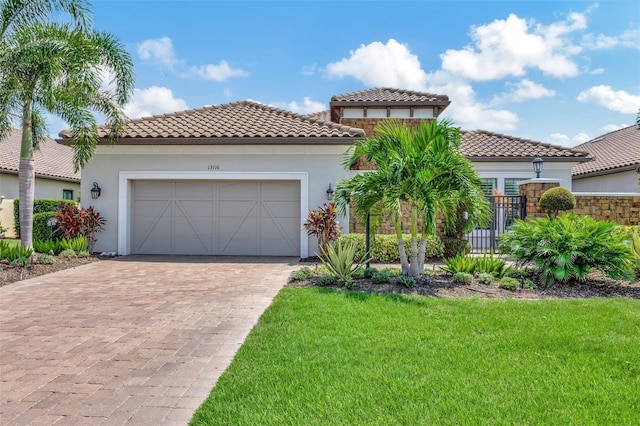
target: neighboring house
239 178
53 165
616 163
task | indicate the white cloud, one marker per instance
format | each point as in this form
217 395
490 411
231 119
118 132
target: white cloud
629 38
618 101
597 71
227 93
613 127
309 70
569 142
381 64
525 89
308 106
220 72
151 101
508 47
159 50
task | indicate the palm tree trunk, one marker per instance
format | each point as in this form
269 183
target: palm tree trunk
26 178
404 263
414 271
422 253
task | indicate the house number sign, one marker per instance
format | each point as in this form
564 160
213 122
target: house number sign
213 167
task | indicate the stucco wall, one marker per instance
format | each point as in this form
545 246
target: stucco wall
45 188
322 163
614 182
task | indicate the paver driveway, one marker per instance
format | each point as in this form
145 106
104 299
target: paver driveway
136 340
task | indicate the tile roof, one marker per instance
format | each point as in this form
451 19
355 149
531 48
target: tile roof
480 145
320 115
612 151
386 94
244 122
52 160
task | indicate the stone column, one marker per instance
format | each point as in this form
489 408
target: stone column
533 190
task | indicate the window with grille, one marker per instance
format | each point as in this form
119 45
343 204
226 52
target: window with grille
511 186
67 194
487 185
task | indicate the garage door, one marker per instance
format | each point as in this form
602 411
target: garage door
216 217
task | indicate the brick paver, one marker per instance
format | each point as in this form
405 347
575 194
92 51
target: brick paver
135 340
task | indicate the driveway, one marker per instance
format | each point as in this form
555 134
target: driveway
135 340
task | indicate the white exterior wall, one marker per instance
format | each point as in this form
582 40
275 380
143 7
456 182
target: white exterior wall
45 188
614 182
112 166
393 112
524 170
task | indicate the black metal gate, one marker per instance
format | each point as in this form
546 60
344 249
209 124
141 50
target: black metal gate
506 209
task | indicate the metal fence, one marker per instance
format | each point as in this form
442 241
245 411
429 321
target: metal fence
506 209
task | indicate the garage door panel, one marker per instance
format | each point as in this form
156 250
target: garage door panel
216 217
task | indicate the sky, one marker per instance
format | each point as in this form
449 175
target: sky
560 72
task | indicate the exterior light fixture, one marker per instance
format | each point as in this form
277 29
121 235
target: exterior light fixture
95 191
537 166
329 193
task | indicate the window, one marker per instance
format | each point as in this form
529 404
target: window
511 186
487 185
67 194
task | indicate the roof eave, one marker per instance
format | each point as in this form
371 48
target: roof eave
333 104
344 140
611 171
528 159
43 176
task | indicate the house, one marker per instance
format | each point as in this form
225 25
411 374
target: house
239 178
616 163
55 178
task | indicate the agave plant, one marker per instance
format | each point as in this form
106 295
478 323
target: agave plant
340 260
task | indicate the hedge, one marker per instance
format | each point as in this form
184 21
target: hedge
39 206
384 247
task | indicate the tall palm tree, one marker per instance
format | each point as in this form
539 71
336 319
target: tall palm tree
57 68
421 169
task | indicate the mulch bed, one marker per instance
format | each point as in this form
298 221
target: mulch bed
10 274
442 285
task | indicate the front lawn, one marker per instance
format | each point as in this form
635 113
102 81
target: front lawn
331 357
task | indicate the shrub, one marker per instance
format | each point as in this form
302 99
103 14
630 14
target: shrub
408 282
380 277
528 284
21 262
74 222
323 224
459 263
76 244
46 259
384 247
509 283
347 282
567 247
341 261
325 280
556 199
68 254
301 274
392 272
13 252
515 272
486 278
633 235
463 277
488 263
39 206
368 272
454 246
48 246
41 228
84 253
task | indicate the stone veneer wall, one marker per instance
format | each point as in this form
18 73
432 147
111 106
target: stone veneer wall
622 209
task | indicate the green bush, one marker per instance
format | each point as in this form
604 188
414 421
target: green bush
516 272
325 280
13 252
46 259
567 247
509 283
485 278
528 284
47 246
459 263
392 272
380 277
368 272
342 261
21 262
41 228
384 247
408 282
557 199
301 274
463 277
488 263
84 253
77 244
68 254
454 246
39 206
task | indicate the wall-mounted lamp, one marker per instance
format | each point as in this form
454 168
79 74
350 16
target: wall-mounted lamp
329 193
537 166
95 191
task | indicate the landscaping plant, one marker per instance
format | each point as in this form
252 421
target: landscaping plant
323 225
11 252
74 222
463 278
509 283
459 263
384 247
556 199
567 247
341 262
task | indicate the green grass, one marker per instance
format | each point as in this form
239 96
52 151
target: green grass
330 357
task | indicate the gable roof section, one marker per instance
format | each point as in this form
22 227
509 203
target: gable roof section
320 115
52 160
387 94
244 122
480 145
613 152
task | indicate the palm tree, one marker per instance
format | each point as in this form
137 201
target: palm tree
421 169
57 68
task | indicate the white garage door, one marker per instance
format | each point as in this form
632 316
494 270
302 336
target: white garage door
216 217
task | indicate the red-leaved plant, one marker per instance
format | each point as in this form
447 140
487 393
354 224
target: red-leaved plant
323 224
74 221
